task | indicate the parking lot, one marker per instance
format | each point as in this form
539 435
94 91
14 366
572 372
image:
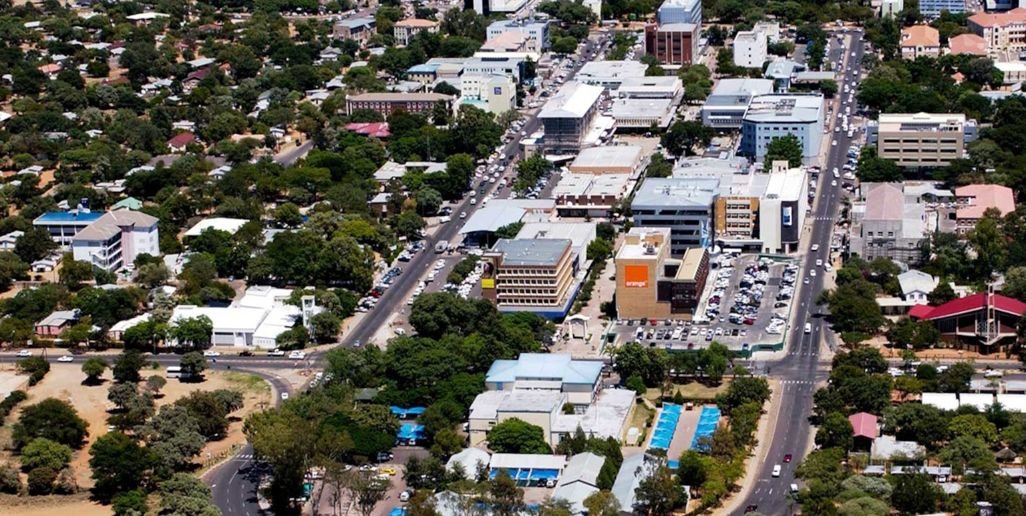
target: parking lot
747 303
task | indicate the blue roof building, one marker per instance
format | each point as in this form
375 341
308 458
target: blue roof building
64 225
547 372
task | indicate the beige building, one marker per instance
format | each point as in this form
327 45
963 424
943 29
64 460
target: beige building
1001 31
921 139
735 217
531 275
919 41
652 285
608 159
405 30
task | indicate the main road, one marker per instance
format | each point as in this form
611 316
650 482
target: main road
800 370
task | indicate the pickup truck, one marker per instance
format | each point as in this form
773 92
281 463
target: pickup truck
275 353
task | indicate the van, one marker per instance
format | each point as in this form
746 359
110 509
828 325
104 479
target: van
776 470
808 327
794 488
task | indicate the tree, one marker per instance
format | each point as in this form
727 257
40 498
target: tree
787 148
1015 282
193 332
967 452
507 499
40 481
602 503
186 495
41 452
691 470
52 419
658 494
564 45
152 275
288 215
94 368
683 136
835 432
11 269
121 394
130 503
154 384
973 425
517 436
127 366
36 243
659 166
193 364
509 230
119 464
915 494
73 272
174 437
956 377
828 88
325 326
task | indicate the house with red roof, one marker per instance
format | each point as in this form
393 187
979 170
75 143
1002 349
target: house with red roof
981 322
865 429
975 200
372 129
178 142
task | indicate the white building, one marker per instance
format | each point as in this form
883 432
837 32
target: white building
226 224
610 74
782 210
916 286
493 93
115 240
536 30
770 117
680 11
255 320
726 106
750 49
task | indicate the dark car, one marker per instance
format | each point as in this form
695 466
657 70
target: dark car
246 353
787 458
751 508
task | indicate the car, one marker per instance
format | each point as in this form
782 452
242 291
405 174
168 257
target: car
275 353
833 183
815 247
297 355
834 143
388 470
787 458
66 358
211 353
819 263
463 215
404 496
245 353
751 508
776 470
284 396
808 327
473 202
24 353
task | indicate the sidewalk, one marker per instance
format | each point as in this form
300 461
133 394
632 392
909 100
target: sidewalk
757 457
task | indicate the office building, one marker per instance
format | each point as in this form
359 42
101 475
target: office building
665 87
116 239
437 69
672 43
489 7
580 235
782 209
608 159
1001 31
537 32
728 102
567 117
486 63
750 49
685 205
931 9
537 276
511 41
405 30
643 102
921 139
680 11
359 29
555 372
891 8
610 74
774 116
589 195
386 103
919 41
650 284
887 224
492 93
974 201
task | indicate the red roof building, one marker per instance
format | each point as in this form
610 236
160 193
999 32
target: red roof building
981 322
178 142
372 129
864 425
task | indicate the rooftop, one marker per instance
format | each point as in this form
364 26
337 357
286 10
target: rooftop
972 303
984 197
602 71
916 281
672 191
400 97
885 202
493 217
779 108
416 23
1017 15
689 265
887 446
527 461
531 401
530 252
65 217
678 27
638 238
747 86
608 156
579 233
353 23
593 185
110 224
864 425
920 36
511 39
545 366
969 44
219 223
918 121
573 100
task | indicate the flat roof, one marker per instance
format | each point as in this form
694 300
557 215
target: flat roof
634 108
671 191
579 233
224 318
779 108
531 252
68 217
917 121
634 251
545 366
573 185
611 70
608 156
219 223
688 269
491 218
531 401
527 461
399 97
573 100
746 86
787 185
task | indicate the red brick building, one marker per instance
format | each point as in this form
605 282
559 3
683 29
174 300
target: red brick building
386 103
672 44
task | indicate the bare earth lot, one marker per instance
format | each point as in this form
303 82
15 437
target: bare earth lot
65 382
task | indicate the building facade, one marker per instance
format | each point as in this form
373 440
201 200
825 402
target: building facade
1000 31
684 205
680 11
359 29
537 32
750 49
650 284
919 41
672 44
568 117
888 225
921 139
726 105
492 93
931 9
386 103
531 275
770 117
405 30
116 239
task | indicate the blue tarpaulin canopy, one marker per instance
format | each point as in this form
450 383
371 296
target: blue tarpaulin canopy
397 511
403 413
410 431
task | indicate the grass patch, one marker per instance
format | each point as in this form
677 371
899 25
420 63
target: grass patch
690 391
248 382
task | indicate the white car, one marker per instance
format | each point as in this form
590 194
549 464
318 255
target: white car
66 358
211 353
812 273
284 396
819 263
24 353
275 353
297 355
463 214
473 202
834 143
815 247
833 183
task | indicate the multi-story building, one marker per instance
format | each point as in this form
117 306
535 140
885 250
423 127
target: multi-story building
486 8
921 139
646 101
750 49
782 209
608 159
610 74
775 116
359 29
404 30
537 32
437 69
63 226
685 205
568 116
510 41
1000 31
116 239
1012 72
493 93
664 87
589 195
726 106
931 9
531 275
680 11
888 224
496 64
968 44
974 201
672 43
919 41
386 103
891 8
650 284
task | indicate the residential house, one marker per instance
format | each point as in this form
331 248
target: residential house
180 141
919 41
53 324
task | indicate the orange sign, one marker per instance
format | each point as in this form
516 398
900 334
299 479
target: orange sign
635 276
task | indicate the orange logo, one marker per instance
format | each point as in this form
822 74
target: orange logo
635 276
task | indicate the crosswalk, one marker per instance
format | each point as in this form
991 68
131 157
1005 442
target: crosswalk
244 456
797 382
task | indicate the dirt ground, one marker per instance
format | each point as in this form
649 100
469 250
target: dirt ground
64 382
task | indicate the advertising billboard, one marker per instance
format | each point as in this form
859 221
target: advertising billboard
635 276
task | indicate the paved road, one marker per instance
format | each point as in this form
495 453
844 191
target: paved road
800 370
292 155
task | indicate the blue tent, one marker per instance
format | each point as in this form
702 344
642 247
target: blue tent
411 432
397 511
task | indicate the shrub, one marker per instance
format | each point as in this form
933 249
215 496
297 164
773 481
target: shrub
40 481
11 401
10 482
